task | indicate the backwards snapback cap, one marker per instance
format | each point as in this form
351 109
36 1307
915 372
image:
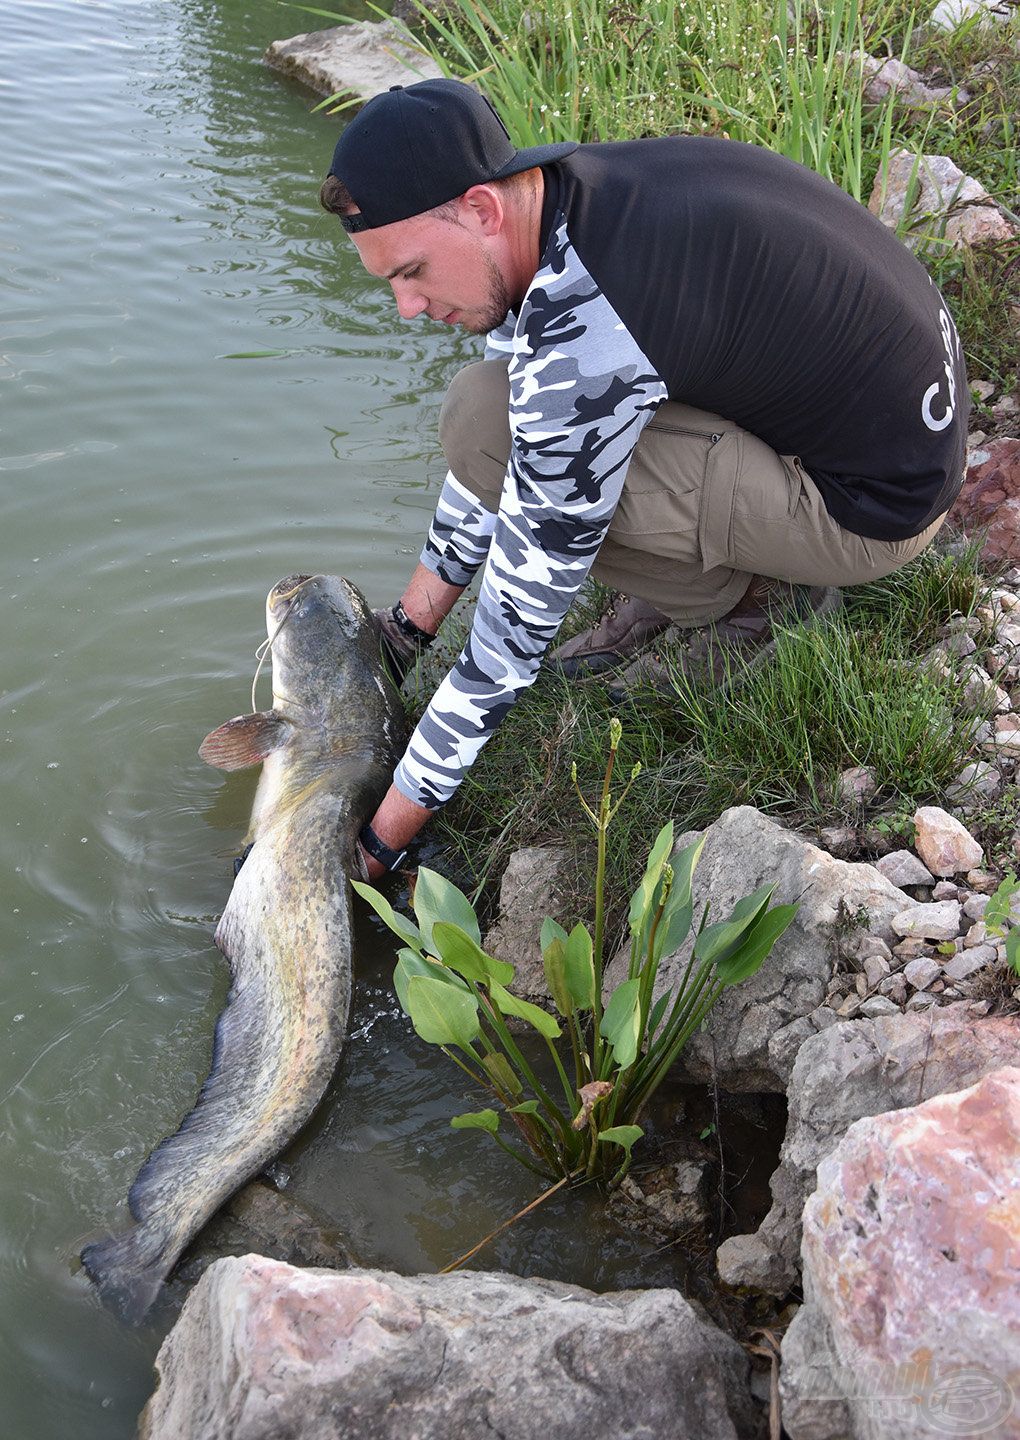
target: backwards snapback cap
415 147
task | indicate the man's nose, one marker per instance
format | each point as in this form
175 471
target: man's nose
409 303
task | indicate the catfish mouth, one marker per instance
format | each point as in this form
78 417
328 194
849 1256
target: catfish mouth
284 592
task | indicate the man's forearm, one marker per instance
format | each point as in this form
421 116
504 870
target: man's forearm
396 822
428 600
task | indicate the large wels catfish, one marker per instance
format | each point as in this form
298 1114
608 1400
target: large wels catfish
327 747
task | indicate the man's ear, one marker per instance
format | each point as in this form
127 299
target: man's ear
486 206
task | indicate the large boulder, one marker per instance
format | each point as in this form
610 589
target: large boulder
854 1069
266 1352
752 1036
358 61
911 1321
948 210
990 500
530 890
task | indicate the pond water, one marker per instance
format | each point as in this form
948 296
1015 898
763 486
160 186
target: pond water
158 216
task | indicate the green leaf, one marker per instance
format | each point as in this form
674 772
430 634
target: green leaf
657 1012
621 1023
624 1135
720 940
673 929
529 1107
459 951
746 959
502 1074
580 968
643 897
477 1120
399 924
554 963
508 1004
1013 948
436 898
441 1013
410 963
551 931
997 911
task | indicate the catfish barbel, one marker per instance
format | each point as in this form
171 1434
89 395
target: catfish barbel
328 747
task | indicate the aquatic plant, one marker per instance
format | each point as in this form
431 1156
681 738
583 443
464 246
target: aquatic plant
584 1120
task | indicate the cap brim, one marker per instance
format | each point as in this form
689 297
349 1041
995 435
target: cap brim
537 155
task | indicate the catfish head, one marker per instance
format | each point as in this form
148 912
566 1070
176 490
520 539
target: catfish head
331 692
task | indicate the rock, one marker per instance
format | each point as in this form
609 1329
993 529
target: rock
895 987
528 892
665 1204
875 970
891 77
978 780
853 1069
951 211
974 907
879 1005
976 935
910 948
990 501
913 1329
983 881
945 846
961 967
361 60
1006 734
951 14
946 890
272 1223
921 972
921 1000
856 786
266 1352
937 921
742 1041
902 868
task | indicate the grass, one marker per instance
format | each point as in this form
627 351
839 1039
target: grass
855 691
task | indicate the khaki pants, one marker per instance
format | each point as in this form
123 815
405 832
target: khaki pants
705 506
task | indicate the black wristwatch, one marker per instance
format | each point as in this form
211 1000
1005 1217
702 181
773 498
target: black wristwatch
379 850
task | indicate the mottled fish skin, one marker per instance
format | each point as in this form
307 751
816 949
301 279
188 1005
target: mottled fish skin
337 727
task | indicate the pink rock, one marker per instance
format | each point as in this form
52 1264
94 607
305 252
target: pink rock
950 210
945 846
912 1271
990 500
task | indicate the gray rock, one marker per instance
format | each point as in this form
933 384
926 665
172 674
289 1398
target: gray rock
938 921
878 1005
665 1204
922 1000
529 891
742 1041
949 15
875 970
360 60
885 77
895 987
902 868
921 972
266 1352
978 780
961 967
853 1069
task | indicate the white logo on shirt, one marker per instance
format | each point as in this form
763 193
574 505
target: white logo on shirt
939 422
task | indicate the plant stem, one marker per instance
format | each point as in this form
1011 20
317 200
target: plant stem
456 1264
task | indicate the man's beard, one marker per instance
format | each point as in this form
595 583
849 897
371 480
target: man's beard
497 303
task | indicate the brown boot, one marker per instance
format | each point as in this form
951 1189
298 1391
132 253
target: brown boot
623 631
724 651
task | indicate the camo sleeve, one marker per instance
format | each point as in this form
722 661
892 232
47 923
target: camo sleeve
581 391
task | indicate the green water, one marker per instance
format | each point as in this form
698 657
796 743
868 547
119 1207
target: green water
158 215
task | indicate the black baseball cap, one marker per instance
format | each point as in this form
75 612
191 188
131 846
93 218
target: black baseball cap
414 147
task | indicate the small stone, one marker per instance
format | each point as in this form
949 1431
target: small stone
875 970
849 1007
983 881
839 840
937 921
982 389
879 1005
946 890
921 972
945 846
895 987
910 948
855 786
861 984
976 935
902 867
978 779
975 906
871 945
923 1000
961 967
960 645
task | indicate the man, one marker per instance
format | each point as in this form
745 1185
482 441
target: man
712 378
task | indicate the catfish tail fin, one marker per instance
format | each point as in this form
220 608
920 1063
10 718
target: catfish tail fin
128 1271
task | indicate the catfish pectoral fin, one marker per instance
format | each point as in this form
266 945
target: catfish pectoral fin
128 1271
246 740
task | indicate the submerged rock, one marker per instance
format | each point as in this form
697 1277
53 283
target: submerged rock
851 1070
266 1352
356 60
911 1324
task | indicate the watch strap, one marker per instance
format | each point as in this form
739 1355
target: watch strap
379 850
419 638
